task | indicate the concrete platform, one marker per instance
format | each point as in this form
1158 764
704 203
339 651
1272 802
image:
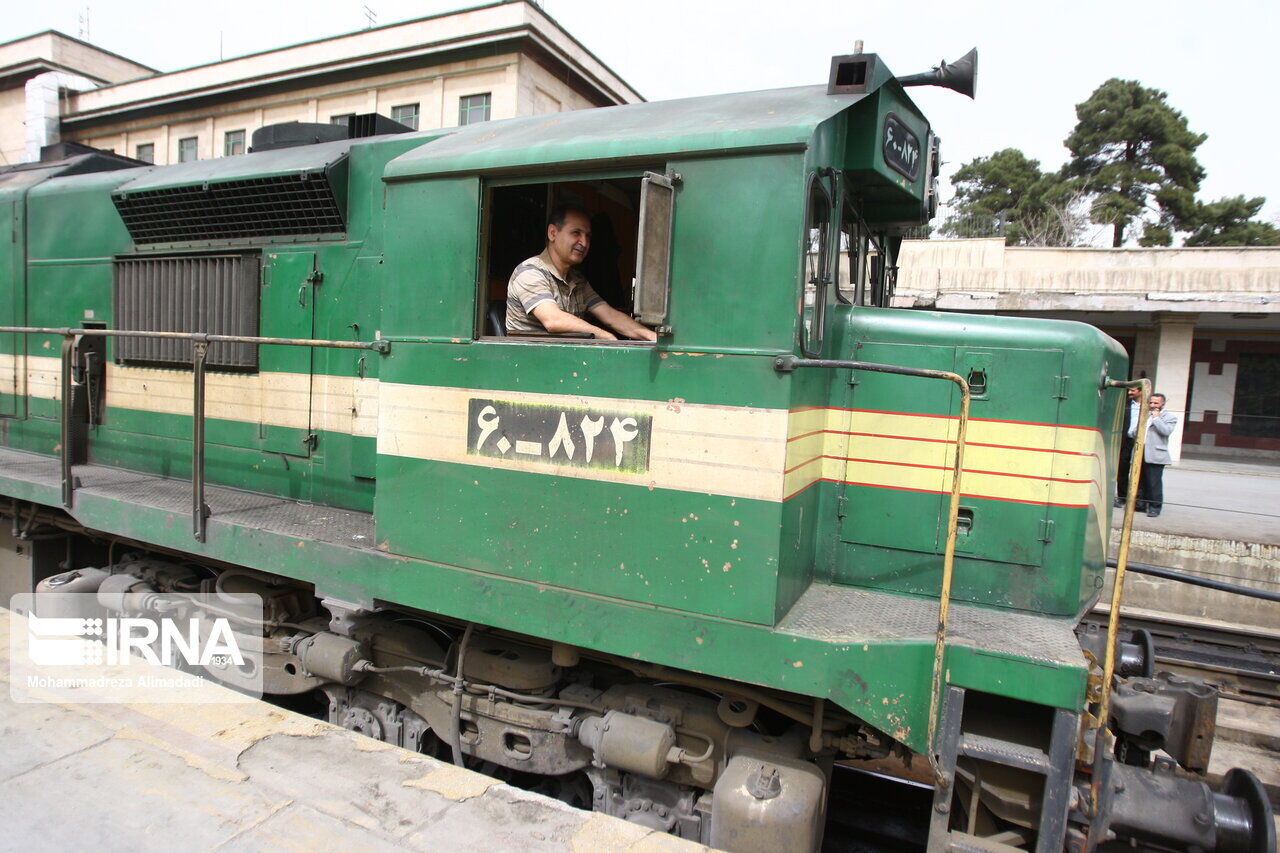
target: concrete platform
253 777
1214 498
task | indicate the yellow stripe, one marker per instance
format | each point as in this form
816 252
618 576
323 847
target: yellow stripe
1037 463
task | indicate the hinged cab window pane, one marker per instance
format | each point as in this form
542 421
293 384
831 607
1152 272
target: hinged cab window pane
653 264
815 271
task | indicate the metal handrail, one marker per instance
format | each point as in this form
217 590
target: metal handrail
199 353
787 364
1102 735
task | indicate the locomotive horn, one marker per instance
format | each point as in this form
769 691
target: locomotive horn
961 75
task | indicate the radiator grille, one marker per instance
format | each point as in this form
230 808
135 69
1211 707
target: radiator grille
279 205
214 294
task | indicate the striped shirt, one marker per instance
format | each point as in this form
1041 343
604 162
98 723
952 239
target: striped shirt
536 281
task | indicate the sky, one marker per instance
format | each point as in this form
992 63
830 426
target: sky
1037 59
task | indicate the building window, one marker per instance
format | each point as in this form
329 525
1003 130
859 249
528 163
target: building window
343 119
146 152
406 115
233 143
473 108
188 149
1256 410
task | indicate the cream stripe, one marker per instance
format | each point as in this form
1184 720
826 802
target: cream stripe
723 450
295 400
726 450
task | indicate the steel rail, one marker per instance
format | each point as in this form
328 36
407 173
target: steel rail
788 364
1102 729
200 342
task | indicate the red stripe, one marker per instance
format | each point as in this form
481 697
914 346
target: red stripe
965 471
802 464
948 417
945 441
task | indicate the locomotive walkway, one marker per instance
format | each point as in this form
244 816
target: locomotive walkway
250 776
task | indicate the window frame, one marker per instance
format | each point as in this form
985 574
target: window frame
465 110
484 220
342 119
417 114
228 143
876 272
812 328
859 241
137 152
195 148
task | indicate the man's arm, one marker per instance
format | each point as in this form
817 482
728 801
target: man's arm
555 319
621 323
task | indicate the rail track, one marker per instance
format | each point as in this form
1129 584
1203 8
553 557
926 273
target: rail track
1243 661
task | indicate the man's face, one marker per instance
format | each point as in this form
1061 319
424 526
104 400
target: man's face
1134 393
1156 402
569 245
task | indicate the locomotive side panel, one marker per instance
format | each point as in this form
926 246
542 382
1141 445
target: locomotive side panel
648 475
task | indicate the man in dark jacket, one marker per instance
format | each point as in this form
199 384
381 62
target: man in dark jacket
1127 433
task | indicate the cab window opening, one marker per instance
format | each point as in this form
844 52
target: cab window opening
851 287
515 225
865 269
880 271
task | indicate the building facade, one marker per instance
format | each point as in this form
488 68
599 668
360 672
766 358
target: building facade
490 62
1202 324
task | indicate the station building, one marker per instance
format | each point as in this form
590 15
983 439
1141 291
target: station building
1202 324
489 62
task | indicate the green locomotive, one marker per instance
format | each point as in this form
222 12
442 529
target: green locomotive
673 581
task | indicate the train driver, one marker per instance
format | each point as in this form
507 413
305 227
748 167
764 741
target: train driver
548 293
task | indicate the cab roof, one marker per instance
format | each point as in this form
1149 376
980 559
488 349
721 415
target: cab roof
768 119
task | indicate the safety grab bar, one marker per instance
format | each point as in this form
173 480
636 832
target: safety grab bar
788 364
199 352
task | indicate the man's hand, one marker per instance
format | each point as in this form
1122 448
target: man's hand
621 323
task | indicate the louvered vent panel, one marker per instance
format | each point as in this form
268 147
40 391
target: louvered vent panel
280 205
214 294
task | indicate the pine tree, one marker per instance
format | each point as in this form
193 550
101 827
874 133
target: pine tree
1007 193
1135 155
1230 222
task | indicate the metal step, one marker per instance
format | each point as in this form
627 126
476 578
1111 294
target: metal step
963 842
1003 752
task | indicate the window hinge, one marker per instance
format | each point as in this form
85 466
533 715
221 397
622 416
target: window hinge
310 440
315 277
1046 531
842 506
1060 387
